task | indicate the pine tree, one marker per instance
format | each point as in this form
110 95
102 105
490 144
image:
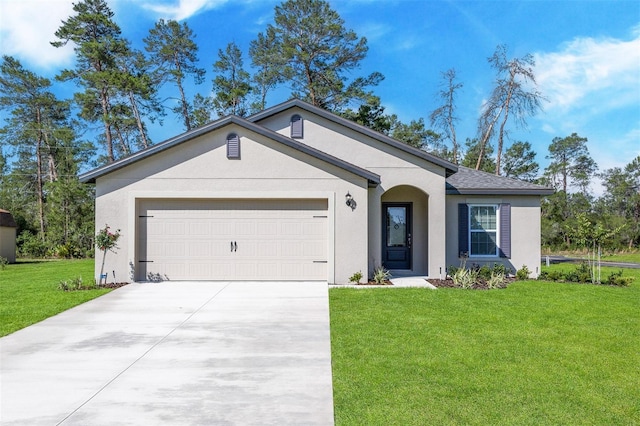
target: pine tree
173 55
98 47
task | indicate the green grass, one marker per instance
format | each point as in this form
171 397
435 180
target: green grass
624 257
534 353
29 291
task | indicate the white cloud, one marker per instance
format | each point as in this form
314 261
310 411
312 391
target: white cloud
181 9
27 27
593 75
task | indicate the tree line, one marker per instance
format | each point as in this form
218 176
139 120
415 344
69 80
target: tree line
306 49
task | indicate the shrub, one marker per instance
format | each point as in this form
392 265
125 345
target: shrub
617 279
30 245
465 278
68 251
75 284
3 263
381 275
499 268
556 275
452 270
583 273
356 277
496 280
523 273
484 272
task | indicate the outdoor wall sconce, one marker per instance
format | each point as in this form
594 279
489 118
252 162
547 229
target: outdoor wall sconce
350 201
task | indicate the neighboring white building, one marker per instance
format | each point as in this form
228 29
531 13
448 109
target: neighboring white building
7 236
298 193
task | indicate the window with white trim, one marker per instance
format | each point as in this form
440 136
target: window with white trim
483 230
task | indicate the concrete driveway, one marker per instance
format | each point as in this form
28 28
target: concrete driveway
175 354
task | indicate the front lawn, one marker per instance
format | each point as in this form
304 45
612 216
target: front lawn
534 353
29 291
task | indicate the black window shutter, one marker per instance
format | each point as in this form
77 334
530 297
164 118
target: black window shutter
463 229
296 127
505 230
233 146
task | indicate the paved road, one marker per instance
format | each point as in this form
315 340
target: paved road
175 354
564 259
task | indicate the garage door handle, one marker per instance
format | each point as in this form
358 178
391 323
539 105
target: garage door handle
232 246
235 246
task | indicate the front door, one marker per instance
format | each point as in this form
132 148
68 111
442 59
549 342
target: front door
396 235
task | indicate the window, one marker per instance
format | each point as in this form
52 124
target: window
233 146
484 230
296 127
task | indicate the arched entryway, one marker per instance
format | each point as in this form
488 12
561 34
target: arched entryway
404 233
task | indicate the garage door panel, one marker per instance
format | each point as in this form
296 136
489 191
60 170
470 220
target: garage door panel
273 239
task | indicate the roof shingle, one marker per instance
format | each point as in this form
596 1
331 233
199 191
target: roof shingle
469 182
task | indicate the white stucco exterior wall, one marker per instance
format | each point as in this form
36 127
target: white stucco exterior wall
395 168
525 231
199 169
8 243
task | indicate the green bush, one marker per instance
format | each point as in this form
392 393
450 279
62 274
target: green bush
30 245
484 272
465 278
68 251
381 275
451 270
3 263
496 280
356 277
617 279
499 268
523 273
75 284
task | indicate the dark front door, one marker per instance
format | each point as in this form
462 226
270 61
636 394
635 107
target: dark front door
396 235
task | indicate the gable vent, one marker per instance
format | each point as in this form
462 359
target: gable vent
233 146
296 127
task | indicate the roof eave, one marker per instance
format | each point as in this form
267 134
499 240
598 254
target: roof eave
91 176
499 191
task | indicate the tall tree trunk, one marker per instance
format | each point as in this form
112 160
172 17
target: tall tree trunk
51 161
104 100
312 92
39 184
454 141
485 138
126 150
136 114
504 122
183 99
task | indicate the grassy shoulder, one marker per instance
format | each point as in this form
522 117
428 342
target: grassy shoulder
623 257
534 353
627 257
29 291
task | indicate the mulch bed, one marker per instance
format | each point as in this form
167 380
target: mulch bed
481 285
371 282
112 285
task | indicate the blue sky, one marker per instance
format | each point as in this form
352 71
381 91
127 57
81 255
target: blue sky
587 56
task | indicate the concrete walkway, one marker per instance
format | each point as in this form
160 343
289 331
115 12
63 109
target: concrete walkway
175 354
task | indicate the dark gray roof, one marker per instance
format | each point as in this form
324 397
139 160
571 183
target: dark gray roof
7 220
474 182
449 167
91 176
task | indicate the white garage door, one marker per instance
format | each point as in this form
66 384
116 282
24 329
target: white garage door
232 240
